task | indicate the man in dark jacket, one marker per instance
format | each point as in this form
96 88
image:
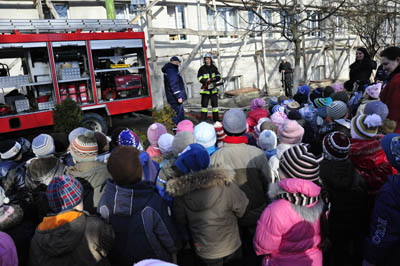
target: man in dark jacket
174 88
208 75
139 216
286 69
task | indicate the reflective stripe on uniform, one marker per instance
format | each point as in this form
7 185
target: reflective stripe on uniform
215 110
177 92
200 78
214 91
204 92
204 110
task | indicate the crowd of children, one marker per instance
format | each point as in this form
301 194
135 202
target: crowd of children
308 180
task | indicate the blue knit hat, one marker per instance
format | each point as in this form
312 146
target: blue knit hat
234 121
391 147
43 145
64 193
278 108
128 138
303 90
194 158
273 101
175 58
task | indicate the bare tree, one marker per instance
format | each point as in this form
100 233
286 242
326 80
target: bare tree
374 21
297 20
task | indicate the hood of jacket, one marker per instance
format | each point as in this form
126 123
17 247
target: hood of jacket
309 213
200 189
365 147
167 66
42 170
63 239
125 201
337 174
13 215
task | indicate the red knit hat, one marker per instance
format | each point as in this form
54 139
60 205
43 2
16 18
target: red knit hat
336 146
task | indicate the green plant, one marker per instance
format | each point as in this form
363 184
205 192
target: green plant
67 116
142 136
164 116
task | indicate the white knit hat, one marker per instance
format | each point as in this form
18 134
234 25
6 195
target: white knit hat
165 143
43 145
204 134
336 110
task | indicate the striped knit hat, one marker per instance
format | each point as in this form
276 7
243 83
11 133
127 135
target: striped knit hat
336 110
320 102
336 146
84 148
64 193
365 126
298 162
220 133
43 145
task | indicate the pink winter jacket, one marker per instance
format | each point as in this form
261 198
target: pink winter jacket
254 116
288 234
153 152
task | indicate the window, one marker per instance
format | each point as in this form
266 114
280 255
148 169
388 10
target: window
314 24
257 24
226 21
121 12
176 20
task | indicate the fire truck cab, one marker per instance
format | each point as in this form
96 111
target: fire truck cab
100 64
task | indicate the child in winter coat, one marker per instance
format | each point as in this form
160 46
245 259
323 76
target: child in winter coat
150 168
91 173
371 94
71 236
367 154
267 141
258 111
204 134
168 170
209 201
336 119
40 171
153 134
347 195
290 133
289 231
139 216
382 245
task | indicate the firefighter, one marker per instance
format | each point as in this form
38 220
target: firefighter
208 76
286 69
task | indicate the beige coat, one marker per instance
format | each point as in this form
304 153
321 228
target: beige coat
95 174
252 174
209 202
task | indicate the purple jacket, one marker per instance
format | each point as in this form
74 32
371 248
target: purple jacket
288 234
8 252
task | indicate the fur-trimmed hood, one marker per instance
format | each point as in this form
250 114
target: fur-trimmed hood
12 216
310 214
207 178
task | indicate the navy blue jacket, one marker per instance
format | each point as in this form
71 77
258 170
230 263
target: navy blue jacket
173 83
141 221
383 245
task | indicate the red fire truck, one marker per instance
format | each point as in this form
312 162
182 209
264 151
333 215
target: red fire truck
100 64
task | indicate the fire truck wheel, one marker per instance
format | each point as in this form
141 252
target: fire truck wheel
94 122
